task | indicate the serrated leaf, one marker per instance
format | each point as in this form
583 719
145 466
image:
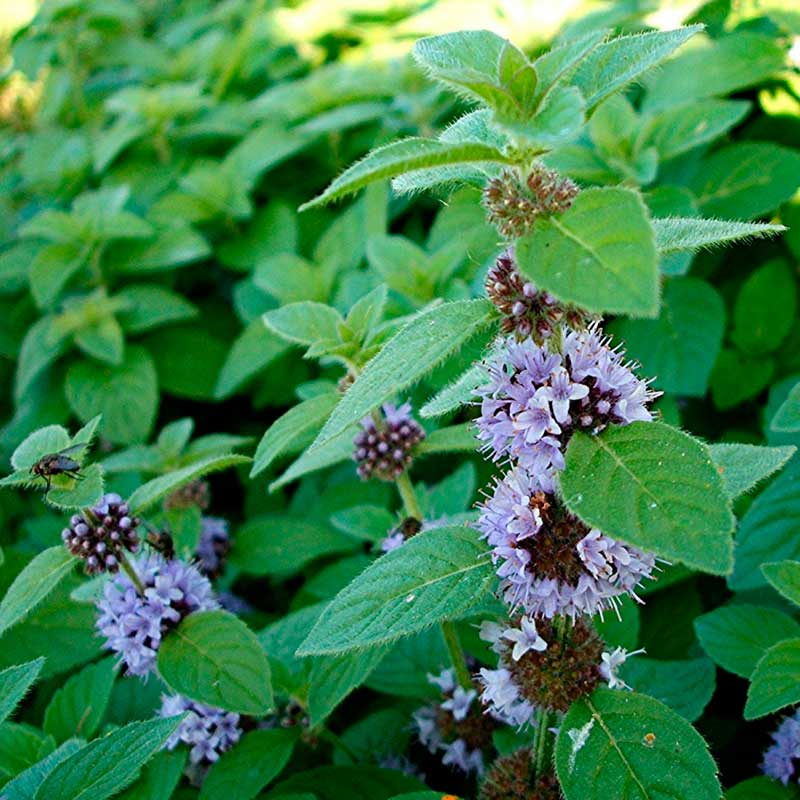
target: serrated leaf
612 65
295 426
419 346
774 683
454 395
153 491
85 490
23 786
436 575
43 441
685 686
787 417
246 769
334 677
743 466
14 684
106 766
404 156
33 584
159 778
340 448
680 347
680 234
768 531
736 636
784 576
600 254
214 658
623 744
282 545
78 707
655 487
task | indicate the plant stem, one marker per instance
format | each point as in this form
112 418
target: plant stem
408 496
456 654
131 573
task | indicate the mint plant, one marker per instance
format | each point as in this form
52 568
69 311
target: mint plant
399 419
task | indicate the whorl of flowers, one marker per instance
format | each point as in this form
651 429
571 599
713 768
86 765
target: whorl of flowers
512 777
456 727
782 757
550 562
213 547
100 536
207 730
536 399
513 205
538 668
526 310
133 625
383 449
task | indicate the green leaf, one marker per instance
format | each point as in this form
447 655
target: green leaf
292 430
761 788
172 247
126 396
765 309
420 345
334 677
253 351
246 769
149 305
340 448
680 347
614 64
787 417
106 766
305 322
78 493
44 343
746 179
363 782
600 254
436 575
23 786
768 531
785 577
736 377
51 270
78 707
655 487
151 492
736 636
460 392
33 584
41 442
623 744
14 684
366 522
454 439
679 234
675 131
214 658
743 466
774 683
282 545
404 156
685 686
160 776
482 66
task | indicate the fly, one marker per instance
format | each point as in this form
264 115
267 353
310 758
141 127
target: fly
60 463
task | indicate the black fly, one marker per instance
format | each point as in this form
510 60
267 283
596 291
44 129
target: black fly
60 463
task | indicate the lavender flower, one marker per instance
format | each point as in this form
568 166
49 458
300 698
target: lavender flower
455 727
99 537
207 730
611 663
383 449
536 399
781 758
133 626
213 547
549 561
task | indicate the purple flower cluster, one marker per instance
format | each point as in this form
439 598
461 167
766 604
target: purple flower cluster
207 730
213 547
383 449
100 535
133 625
455 727
536 399
782 758
550 562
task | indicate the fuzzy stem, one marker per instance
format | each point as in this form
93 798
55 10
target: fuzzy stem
408 496
456 654
131 573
